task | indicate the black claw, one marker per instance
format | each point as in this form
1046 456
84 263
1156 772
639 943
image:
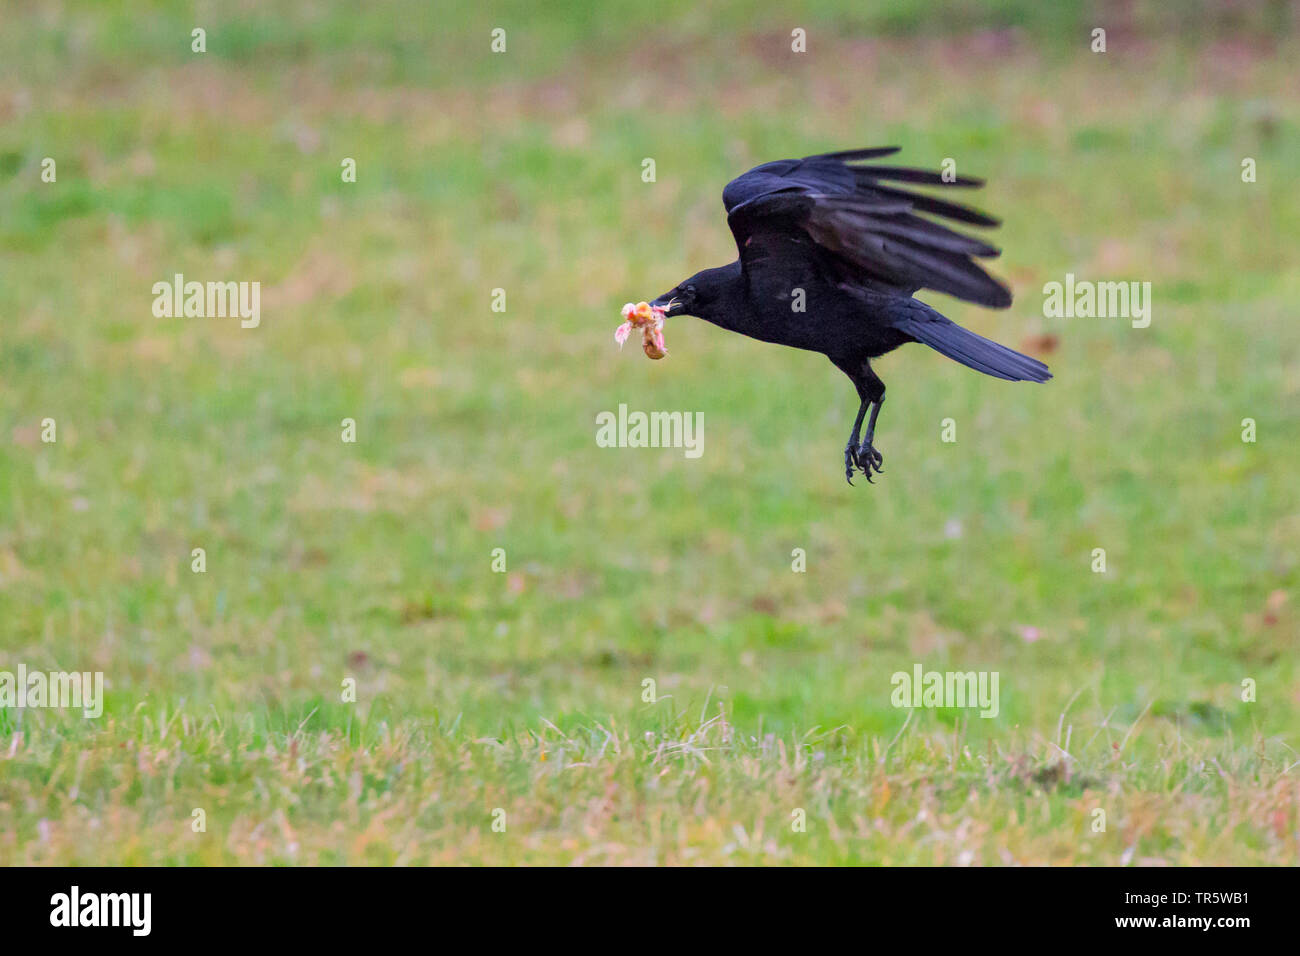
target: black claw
864 458
869 460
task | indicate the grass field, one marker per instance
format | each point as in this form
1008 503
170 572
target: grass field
523 690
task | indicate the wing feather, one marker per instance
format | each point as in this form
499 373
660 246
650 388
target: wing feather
874 230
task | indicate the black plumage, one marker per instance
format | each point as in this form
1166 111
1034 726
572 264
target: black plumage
830 257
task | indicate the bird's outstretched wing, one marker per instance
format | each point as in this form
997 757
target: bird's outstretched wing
842 206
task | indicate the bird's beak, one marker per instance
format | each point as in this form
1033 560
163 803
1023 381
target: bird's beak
665 304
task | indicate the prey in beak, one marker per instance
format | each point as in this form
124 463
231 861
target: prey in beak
650 320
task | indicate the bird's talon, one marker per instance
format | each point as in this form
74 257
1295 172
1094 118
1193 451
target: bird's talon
869 459
850 461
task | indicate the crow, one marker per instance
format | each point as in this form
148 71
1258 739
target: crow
830 257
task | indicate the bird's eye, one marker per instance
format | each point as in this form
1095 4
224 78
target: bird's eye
690 291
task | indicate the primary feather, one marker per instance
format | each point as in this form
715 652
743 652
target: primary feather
877 229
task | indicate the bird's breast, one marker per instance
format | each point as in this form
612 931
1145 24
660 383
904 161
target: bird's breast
804 312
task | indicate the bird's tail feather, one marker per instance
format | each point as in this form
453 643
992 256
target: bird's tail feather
975 351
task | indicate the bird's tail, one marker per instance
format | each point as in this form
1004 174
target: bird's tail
974 351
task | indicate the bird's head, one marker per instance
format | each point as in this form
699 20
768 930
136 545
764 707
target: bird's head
688 297
705 295
702 295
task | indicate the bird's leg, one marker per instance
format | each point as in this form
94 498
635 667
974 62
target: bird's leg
867 453
873 393
851 449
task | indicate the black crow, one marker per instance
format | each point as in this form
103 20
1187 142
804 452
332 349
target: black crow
830 257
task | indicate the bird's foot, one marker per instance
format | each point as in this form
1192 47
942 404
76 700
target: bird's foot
867 458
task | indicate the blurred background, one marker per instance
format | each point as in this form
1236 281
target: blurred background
475 430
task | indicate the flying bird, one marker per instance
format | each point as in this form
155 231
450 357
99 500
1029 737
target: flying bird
830 255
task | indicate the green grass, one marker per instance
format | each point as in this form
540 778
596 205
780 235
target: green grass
476 430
